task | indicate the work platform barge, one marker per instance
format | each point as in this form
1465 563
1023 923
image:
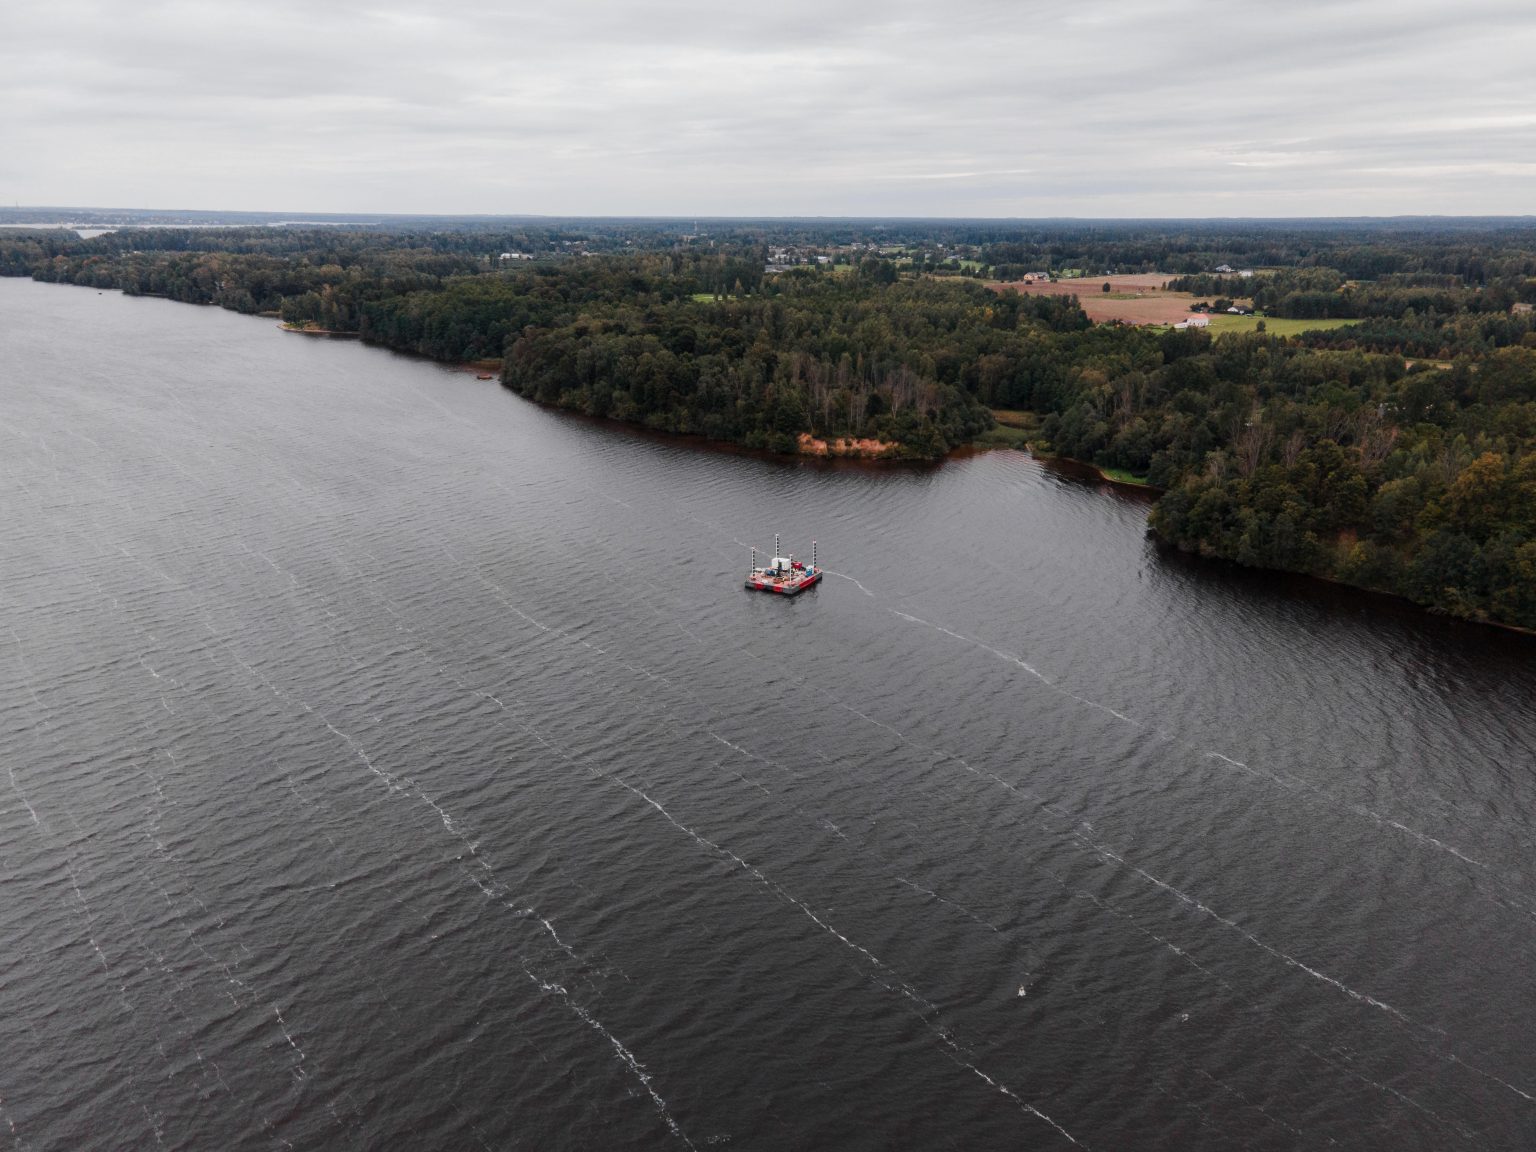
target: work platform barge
783 574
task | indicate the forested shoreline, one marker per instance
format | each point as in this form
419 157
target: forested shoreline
1396 453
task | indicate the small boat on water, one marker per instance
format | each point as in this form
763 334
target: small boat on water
783 574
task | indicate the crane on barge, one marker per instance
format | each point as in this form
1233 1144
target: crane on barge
783 574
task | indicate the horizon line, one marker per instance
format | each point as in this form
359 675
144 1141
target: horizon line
302 216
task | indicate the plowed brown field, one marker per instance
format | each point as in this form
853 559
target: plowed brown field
1138 299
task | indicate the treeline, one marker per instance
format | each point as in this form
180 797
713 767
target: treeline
689 339
1397 453
1324 293
914 362
1347 465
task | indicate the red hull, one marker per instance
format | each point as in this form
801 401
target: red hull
792 587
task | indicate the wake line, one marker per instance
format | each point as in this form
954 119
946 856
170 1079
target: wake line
1264 1013
1292 784
495 890
1008 656
624 1053
926 1011
850 580
1293 962
1191 902
1019 662
926 1008
492 888
1024 1104
1109 854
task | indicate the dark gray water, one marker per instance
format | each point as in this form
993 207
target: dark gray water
389 763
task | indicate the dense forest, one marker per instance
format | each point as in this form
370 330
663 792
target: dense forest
1396 452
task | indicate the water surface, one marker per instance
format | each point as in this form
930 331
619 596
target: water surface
392 763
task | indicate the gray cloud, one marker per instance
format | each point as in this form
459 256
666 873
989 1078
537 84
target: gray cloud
1164 107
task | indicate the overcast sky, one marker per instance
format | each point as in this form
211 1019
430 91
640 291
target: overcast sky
779 107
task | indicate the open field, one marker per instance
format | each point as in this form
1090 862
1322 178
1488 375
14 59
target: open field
1140 282
1014 418
1274 325
1014 429
1134 299
1150 308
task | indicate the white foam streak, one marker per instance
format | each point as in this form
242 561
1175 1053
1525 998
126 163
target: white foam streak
17 1142
1290 783
624 1054
1191 902
950 903
1108 854
927 1011
298 1071
1025 1105
1297 785
850 579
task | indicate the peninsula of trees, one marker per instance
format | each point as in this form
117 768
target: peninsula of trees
1393 448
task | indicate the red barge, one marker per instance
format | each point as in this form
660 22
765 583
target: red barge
783 574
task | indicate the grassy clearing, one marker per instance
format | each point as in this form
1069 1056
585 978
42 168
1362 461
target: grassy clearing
1004 436
711 298
1274 325
1015 429
1013 418
1121 476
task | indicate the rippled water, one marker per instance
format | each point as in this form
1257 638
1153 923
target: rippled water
390 763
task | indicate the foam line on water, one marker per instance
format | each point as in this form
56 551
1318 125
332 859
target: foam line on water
1299 785
927 1011
739 749
1296 784
958 907
1255 1009
1010 658
298 1069
1264 1013
1292 784
1259 1108
396 784
1191 902
42 719
627 1057
1292 961
1023 1104
850 579
448 824
243 994
17 1142
485 882
1073 831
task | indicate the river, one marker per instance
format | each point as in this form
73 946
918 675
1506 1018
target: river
391 763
